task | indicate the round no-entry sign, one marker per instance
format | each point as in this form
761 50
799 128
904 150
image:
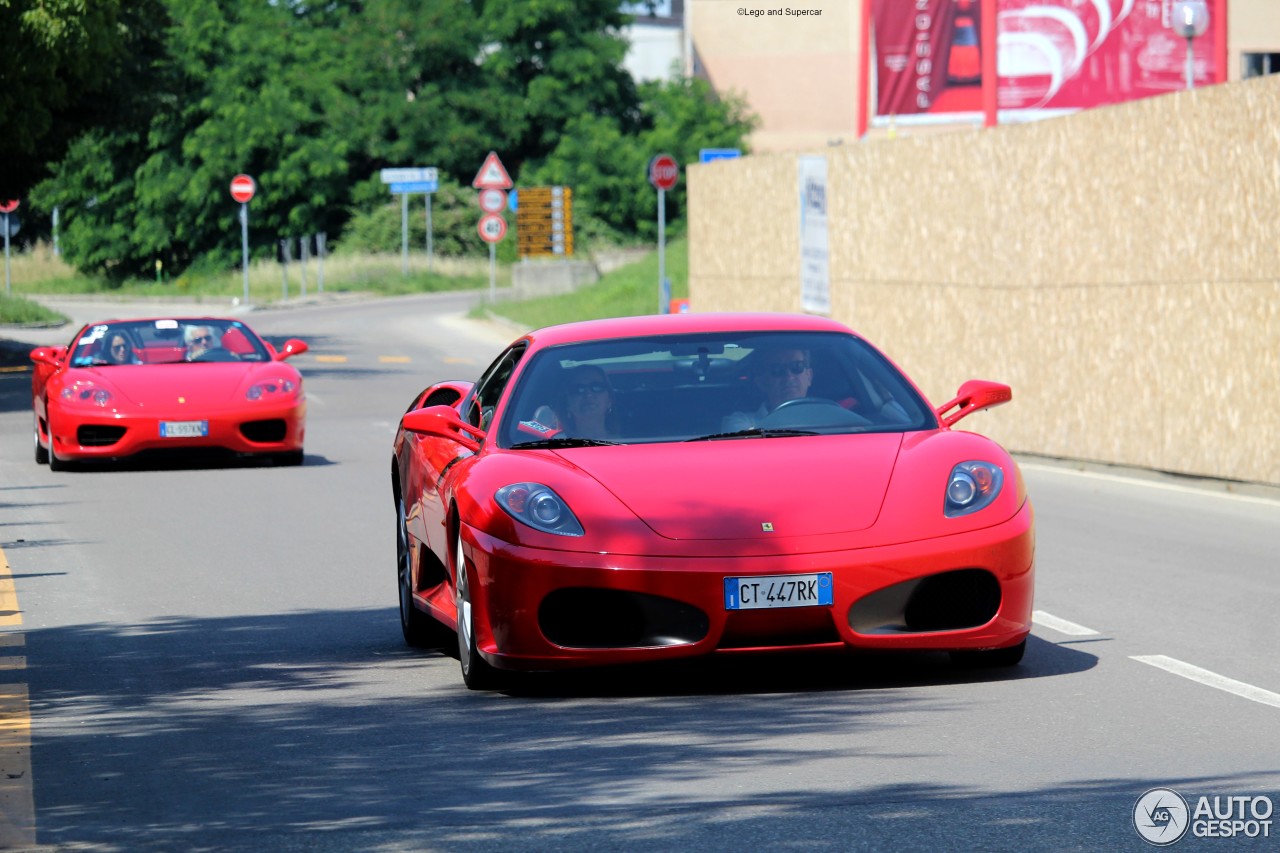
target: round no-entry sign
243 188
492 201
663 172
9 206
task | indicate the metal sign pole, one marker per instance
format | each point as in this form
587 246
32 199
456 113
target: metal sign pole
429 257
244 247
320 239
284 268
493 261
6 254
404 233
662 246
304 255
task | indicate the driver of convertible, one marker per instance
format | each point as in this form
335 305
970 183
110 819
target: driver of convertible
781 375
199 341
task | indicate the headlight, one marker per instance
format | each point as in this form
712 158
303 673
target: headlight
271 388
86 392
971 486
537 506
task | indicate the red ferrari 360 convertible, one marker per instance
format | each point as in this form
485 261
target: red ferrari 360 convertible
175 383
651 488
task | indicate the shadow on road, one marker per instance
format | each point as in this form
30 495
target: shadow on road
219 734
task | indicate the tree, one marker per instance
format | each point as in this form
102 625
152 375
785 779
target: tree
68 66
554 61
607 168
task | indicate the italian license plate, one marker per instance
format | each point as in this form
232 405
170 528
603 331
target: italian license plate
756 593
184 429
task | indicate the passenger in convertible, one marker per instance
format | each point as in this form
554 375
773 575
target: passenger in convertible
119 349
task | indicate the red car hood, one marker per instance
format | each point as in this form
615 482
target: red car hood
211 384
736 489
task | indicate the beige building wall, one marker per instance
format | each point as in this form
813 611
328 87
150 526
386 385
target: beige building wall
1119 267
800 74
1253 26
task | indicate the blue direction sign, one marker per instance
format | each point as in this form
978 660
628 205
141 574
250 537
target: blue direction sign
706 155
415 187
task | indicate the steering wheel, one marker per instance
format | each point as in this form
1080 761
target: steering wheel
800 402
217 354
812 412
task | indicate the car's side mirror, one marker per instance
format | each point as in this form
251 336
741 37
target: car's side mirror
47 355
292 347
443 422
973 396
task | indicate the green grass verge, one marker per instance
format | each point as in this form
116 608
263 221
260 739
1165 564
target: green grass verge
19 311
626 292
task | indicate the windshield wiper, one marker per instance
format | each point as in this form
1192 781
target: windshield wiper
754 432
558 443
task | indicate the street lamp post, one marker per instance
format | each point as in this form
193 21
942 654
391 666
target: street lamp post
1190 19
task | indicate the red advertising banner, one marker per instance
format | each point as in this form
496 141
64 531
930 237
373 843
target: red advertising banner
1052 55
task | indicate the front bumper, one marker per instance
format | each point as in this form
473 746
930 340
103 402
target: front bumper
81 435
649 609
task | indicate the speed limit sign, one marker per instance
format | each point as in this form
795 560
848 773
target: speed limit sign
492 227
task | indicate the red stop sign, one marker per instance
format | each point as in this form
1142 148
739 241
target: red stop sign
663 172
242 188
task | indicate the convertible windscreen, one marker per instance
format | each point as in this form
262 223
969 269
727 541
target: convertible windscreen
165 341
708 387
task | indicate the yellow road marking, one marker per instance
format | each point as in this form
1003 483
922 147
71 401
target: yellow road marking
331 359
394 359
10 613
17 797
18 369
455 360
17 800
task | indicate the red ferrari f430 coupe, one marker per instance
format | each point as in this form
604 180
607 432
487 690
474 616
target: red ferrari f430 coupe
651 488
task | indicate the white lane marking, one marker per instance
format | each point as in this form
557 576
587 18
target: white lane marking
1062 626
1210 679
1137 481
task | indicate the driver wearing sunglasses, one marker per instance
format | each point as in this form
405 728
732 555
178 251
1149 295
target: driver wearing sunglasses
780 375
199 340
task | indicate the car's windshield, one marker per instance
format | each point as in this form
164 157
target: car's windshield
166 341
710 387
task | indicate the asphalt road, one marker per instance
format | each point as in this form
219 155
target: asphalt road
209 658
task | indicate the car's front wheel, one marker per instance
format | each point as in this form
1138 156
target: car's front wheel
42 452
476 672
55 464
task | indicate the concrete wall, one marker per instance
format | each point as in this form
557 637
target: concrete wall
1118 267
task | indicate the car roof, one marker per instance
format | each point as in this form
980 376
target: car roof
675 324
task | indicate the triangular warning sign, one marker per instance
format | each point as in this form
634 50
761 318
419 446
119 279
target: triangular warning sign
492 175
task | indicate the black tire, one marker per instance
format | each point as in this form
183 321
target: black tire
990 658
289 460
477 674
42 452
55 464
419 629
